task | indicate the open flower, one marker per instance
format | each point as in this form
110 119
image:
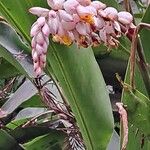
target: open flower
86 13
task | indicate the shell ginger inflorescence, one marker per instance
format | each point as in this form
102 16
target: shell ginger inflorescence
84 22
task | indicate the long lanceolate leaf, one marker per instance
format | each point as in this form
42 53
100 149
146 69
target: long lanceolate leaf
78 74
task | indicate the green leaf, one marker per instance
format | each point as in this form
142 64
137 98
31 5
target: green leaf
52 141
79 74
8 70
7 142
23 135
16 123
137 140
138 110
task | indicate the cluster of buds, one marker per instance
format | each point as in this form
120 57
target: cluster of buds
84 22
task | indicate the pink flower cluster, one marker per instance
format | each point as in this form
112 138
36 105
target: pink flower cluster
84 22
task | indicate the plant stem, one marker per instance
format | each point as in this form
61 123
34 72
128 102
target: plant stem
136 45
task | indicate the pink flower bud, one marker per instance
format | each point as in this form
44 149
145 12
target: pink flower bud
40 38
34 30
111 12
98 5
125 17
70 6
39 11
84 2
41 21
35 56
46 30
45 47
53 25
65 16
39 49
81 10
56 4
52 14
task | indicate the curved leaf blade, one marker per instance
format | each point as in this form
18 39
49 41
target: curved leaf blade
79 74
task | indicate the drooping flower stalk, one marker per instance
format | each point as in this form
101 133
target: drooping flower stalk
83 22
